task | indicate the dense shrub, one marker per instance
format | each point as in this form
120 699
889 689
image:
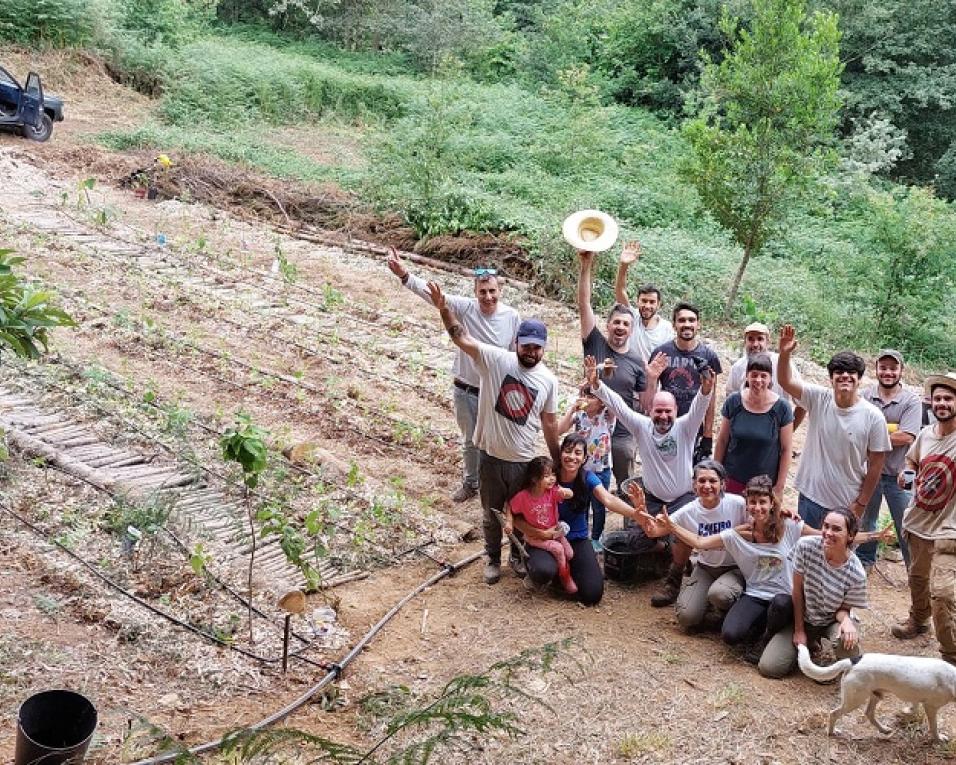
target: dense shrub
49 22
229 83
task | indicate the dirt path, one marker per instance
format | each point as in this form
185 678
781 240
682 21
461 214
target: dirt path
339 356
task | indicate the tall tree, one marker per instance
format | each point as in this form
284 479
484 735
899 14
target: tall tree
766 117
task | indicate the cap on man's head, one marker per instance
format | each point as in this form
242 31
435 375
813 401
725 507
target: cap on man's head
889 353
757 328
532 332
947 380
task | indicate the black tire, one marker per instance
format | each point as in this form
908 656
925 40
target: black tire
41 133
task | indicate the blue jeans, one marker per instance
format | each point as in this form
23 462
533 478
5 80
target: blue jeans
898 500
812 513
466 415
598 512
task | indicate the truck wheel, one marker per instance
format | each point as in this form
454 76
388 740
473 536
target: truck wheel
41 133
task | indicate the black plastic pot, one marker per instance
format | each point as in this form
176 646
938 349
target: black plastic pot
54 728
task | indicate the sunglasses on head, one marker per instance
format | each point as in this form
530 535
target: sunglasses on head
482 272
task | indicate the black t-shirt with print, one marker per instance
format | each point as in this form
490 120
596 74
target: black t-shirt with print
681 377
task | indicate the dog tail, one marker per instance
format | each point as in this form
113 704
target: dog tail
816 672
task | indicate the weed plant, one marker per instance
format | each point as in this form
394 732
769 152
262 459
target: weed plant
226 82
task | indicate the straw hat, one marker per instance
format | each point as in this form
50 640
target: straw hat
590 230
948 380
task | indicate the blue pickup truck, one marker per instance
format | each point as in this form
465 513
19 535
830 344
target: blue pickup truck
26 108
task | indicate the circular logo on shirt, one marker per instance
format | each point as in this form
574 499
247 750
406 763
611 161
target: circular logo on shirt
515 400
936 483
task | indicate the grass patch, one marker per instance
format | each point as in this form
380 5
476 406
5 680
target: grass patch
229 82
244 147
635 745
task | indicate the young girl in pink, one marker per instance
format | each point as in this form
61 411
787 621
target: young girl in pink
537 504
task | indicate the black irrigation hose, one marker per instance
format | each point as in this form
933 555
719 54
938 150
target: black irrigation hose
336 670
149 606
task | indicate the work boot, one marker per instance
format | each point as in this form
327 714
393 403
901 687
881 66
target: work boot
670 587
492 573
909 629
464 493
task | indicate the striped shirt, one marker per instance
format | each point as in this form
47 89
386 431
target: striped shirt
826 587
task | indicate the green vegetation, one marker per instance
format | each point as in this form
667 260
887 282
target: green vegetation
525 111
26 314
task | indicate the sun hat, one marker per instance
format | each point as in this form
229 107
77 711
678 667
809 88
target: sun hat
590 230
947 380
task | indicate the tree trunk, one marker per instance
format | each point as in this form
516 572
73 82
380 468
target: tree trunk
737 279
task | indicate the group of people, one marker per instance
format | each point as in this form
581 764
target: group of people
770 578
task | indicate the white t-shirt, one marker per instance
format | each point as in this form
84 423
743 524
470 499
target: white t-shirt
667 458
510 404
738 374
834 455
731 512
499 329
766 567
644 340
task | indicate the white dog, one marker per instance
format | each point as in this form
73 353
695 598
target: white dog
917 679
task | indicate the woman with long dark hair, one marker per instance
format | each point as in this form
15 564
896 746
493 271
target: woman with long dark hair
584 486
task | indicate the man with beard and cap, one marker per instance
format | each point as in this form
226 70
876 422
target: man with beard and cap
677 366
650 328
903 412
623 367
757 340
487 320
666 443
847 440
518 399
929 524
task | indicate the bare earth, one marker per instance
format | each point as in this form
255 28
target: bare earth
338 356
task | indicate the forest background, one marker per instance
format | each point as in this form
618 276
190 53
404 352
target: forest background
503 116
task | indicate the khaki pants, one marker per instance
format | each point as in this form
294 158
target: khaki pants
779 658
932 579
720 586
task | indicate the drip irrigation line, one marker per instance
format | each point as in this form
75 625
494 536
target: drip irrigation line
335 672
183 456
149 606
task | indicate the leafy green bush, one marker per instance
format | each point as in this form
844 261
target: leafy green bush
228 83
48 22
172 22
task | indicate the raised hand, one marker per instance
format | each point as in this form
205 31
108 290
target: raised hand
586 256
438 297
788 339
657 365
395 264
591 372
630 252
565 493
636 493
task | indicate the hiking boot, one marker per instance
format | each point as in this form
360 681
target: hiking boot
492 573
909 629
670 588
464 493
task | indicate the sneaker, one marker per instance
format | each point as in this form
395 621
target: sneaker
464 493
492 573
909 629
517 565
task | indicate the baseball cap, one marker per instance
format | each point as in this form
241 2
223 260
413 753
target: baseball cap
890 353
532 332
757 327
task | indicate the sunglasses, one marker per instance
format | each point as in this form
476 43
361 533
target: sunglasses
481 272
